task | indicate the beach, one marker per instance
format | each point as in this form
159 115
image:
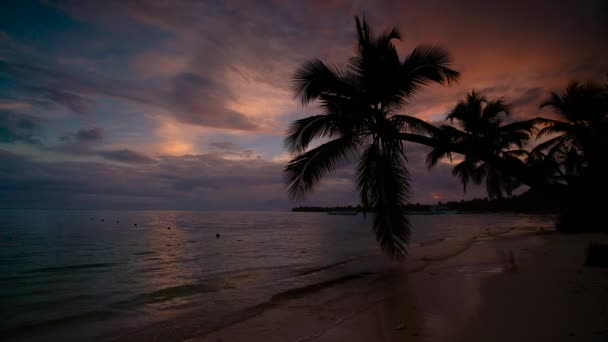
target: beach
519 285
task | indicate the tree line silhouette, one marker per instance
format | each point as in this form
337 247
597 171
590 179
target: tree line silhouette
359 118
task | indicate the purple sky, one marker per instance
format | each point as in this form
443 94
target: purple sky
184 104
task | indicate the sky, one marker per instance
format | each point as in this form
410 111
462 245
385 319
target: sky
158 104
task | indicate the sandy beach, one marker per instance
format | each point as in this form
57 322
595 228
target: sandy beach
515 285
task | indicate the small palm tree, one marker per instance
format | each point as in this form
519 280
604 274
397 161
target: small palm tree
486 143
359 103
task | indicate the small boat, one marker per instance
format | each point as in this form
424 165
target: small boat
342 212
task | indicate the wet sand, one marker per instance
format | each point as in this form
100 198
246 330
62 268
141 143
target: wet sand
516 285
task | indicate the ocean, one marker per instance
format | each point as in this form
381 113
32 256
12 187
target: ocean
76 275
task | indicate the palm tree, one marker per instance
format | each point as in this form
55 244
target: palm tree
579 143
486 143
579 133
359 102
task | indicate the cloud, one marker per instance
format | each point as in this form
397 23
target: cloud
196 181
201 101
125 156
85 135
51 86
81 142
529 96
74 102
87 141
191 98
16 127
223 145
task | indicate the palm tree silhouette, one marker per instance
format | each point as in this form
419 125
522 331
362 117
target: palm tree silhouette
579 144
359 104
579 133
486 143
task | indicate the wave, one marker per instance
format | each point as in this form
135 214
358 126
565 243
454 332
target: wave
311 270
316 287
278 298
144 253
172 292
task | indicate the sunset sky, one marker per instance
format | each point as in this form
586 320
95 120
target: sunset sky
184 104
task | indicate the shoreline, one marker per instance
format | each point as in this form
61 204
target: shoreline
486 291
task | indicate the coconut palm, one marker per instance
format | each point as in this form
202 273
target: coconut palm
579 143
358 119
579 134
491 149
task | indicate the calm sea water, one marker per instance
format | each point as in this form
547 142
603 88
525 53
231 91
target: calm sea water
74 275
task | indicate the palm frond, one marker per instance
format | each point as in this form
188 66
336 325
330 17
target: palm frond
479 172
516 153
549 144
435 155
447 139
554 101
554 127
383 182
528 126
303 172
494 108
542 121
303 131
468 112
463 170
314 77
364 32
389 35
518 138
495 184
412 124
427 64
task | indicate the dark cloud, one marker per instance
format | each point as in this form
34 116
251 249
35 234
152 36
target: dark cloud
16 127
89 135
223 145
196 181
81 142
87 141
76 103
126 156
